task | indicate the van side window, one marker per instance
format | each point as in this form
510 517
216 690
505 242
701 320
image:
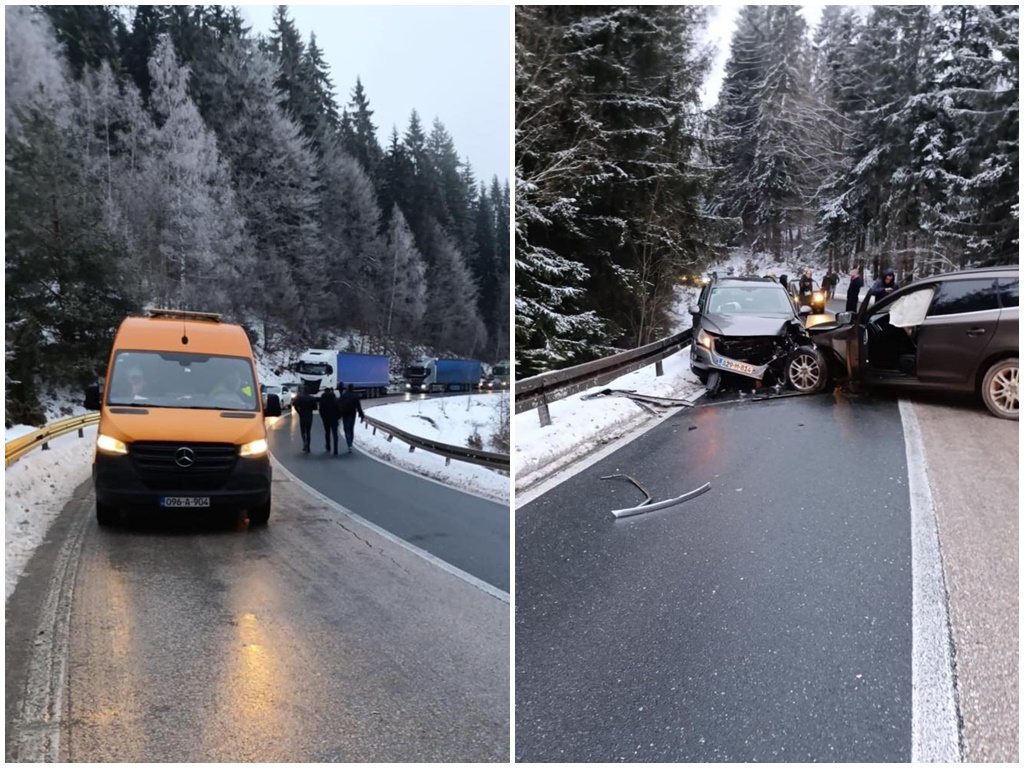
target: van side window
958 296
1009 292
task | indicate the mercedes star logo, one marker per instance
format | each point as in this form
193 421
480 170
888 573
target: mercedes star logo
184 457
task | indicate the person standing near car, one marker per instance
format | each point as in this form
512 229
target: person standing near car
806 287
853 292
349 406
330 413
304 405
884 286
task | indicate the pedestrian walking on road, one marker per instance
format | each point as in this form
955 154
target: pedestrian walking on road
349 406
853 292
330 413
304 405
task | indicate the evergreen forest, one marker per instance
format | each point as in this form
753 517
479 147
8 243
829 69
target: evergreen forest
886 136
167 156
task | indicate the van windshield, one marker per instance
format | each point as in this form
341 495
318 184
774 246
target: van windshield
182 380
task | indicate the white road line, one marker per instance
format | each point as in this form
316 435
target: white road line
936 732
433 559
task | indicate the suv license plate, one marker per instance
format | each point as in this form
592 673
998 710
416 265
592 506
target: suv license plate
733 365
185 501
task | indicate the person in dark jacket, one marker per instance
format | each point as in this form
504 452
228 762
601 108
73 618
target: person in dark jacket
882 288
330 414
806 286
853 292
349 406
784 281
304 405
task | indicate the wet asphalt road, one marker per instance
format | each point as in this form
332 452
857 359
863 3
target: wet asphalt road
313 639
768 619
466 531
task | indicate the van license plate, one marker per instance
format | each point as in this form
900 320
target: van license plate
733 365
185 501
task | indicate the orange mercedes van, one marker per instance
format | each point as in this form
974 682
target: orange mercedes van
181 420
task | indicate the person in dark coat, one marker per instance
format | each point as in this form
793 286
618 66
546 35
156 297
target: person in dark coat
304 405
886 285
330 414
806 285
784 281
349 406
853 292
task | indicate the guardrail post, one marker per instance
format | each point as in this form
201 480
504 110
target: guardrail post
545 415
44 447
659 369
412 448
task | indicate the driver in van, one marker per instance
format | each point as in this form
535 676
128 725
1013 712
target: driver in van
231 384
137 384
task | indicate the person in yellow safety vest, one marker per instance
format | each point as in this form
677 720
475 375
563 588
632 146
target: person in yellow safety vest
232 383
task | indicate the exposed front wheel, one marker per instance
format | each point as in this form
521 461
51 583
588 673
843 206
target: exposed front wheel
714 383
1000 389
806 371
260 515
107 515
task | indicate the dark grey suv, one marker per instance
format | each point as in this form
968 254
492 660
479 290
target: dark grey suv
745 327
956 332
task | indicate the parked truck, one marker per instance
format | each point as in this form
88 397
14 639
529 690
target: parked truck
499 375
320 369
430 374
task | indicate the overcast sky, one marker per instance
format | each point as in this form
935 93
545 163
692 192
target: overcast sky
721 24
448 62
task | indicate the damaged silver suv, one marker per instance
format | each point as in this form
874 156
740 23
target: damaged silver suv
748 327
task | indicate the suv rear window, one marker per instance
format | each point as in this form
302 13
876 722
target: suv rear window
958 296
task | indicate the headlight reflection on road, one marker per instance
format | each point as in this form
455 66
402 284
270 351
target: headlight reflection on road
253 675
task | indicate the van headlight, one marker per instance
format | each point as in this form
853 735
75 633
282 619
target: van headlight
253 450
111 445
705 339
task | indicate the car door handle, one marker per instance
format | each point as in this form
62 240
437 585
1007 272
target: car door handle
975 331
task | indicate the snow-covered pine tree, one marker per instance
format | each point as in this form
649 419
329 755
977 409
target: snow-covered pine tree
402 280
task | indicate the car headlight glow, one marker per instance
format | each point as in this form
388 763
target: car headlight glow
111 445
253 450
704 339
818 296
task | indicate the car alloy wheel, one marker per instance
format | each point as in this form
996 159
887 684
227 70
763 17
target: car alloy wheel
805 370
1000 389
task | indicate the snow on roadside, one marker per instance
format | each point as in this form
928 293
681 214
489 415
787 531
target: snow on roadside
577 425
450 420
36 489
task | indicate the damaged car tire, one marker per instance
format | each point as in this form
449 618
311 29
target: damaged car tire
806 370
714 382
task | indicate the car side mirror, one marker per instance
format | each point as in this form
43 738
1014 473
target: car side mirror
92 397
805 310
844 318
273 406
694 311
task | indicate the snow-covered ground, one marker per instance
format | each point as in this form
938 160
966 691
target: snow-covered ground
578 426
451 420
38 486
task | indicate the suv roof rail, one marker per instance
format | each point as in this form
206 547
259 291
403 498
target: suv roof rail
181 314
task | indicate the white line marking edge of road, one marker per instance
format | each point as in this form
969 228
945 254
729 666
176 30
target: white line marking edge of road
935 721
433 559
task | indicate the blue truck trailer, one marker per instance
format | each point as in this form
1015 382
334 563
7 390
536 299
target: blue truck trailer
321 369
430 374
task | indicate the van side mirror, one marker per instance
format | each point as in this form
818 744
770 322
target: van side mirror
92 397
273 406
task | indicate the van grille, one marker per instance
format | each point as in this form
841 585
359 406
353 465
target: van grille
155 463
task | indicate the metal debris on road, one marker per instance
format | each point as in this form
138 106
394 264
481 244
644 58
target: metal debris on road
644 401
648 505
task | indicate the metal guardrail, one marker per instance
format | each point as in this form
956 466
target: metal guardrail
19 446
498 461
538 391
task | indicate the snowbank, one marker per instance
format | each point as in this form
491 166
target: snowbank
451 420
37 487
578 426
